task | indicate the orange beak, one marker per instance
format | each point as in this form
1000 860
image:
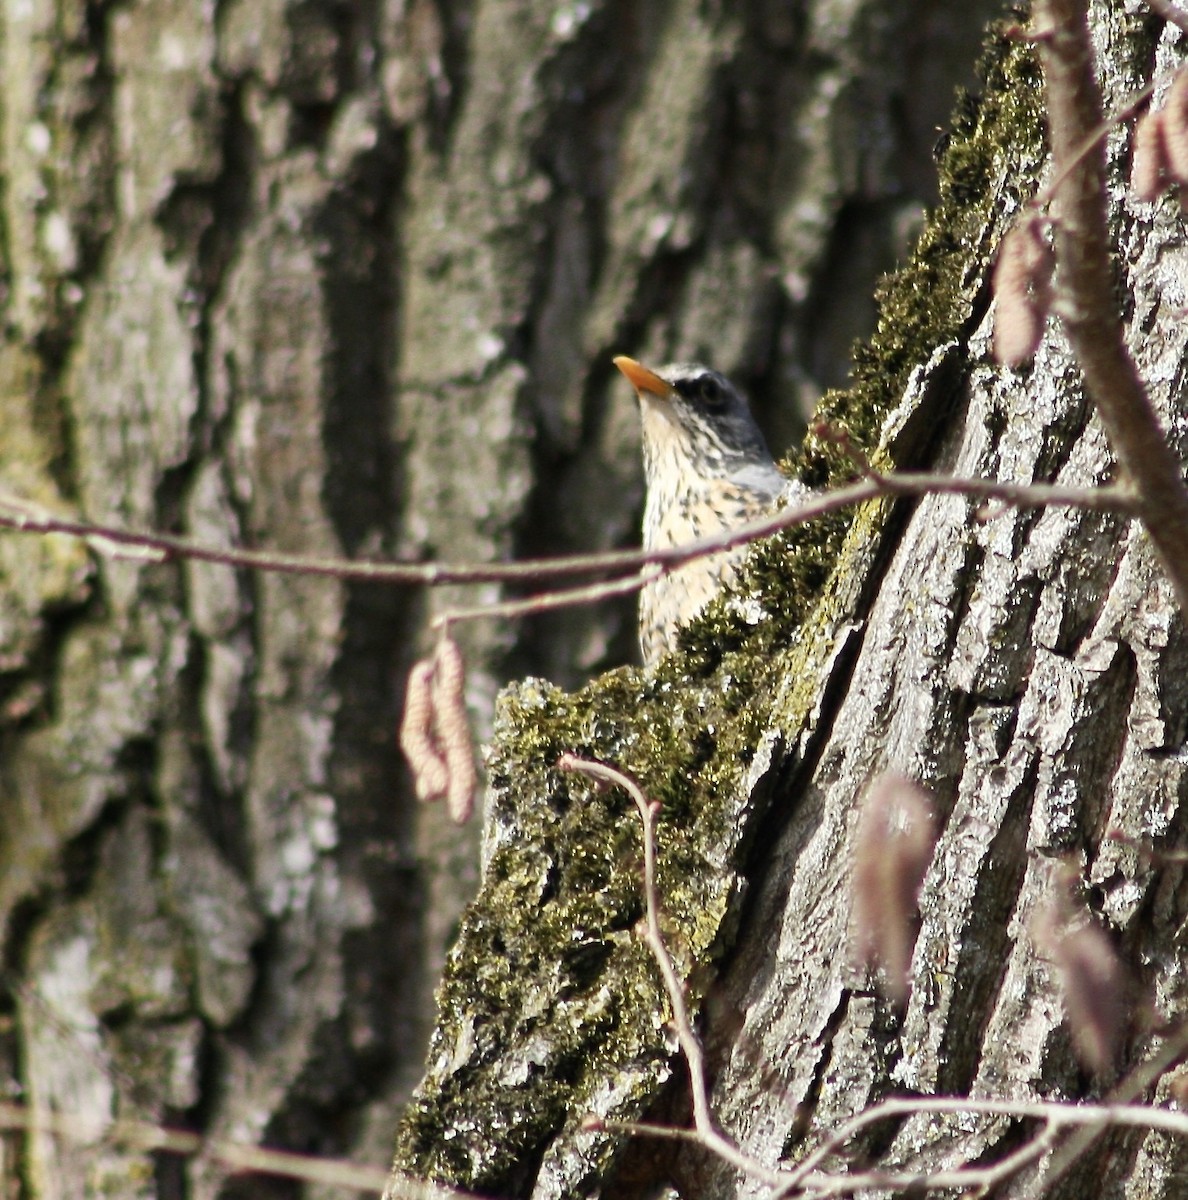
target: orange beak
642 379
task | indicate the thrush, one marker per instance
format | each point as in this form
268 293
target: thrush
707 468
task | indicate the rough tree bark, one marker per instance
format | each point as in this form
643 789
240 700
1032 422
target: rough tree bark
345 278
1027 668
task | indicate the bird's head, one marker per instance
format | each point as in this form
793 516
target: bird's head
692 413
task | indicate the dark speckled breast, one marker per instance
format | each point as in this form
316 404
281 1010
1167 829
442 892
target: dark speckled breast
673 518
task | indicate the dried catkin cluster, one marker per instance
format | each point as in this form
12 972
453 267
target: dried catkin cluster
1022 285
892 849
1098 992
434 733
1161 147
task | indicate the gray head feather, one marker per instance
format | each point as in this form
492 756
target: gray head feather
717 419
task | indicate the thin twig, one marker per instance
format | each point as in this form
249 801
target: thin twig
968 1179
1090 1118
143 1136
1139 1081
708 1133
1092 140
661 1133
526 606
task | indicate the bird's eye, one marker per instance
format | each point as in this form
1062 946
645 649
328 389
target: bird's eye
711 392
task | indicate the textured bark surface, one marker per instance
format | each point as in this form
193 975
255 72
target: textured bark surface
1027 668
344 278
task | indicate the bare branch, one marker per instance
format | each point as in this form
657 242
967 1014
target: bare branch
1093 141
1058 1117
20 516
807 1178
1137 1083
1090 317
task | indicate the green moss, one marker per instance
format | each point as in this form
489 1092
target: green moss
936 298
995 141
550 1006
548 973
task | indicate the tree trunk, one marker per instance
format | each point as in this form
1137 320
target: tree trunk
1025 666
345 279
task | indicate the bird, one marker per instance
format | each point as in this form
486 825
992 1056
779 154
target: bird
707 468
